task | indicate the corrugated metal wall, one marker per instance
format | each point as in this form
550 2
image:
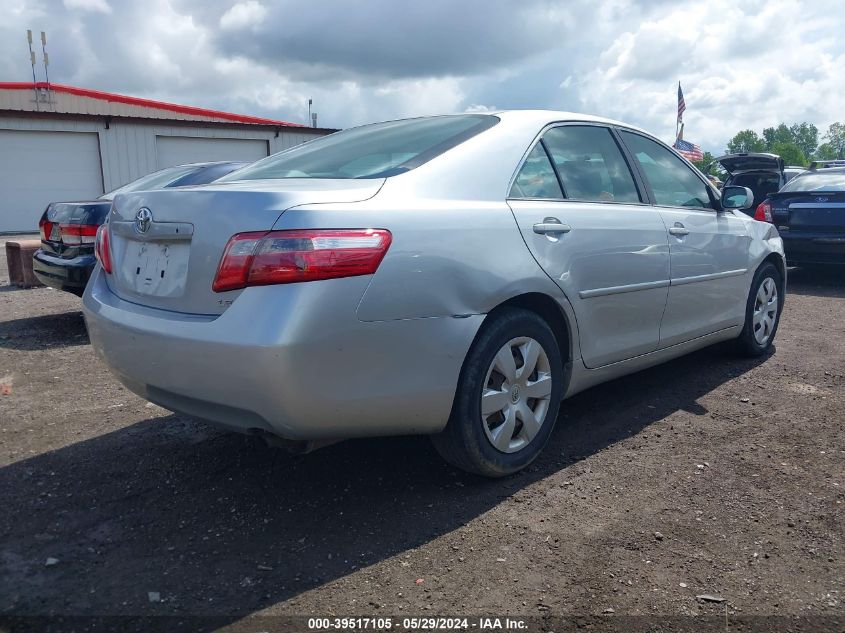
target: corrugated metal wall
127 148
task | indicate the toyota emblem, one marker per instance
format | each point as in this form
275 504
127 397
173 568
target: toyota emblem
143 219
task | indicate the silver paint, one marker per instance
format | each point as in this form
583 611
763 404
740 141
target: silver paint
381 354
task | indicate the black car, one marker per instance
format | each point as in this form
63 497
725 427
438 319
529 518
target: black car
809 212
762 173
66 257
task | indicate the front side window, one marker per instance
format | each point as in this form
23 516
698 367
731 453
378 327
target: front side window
370 151
672 182
590 164
537 177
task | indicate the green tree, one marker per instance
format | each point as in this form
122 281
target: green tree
826 152
806 136
775 135
835 138
790 153
703 165
746 141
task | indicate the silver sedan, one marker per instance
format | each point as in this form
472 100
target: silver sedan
458 276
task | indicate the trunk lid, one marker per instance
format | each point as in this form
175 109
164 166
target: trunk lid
816 212
746 161
166 245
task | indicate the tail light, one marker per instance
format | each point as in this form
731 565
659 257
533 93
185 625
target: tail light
45 227
50 231
78 234
764 212
283 257
102 248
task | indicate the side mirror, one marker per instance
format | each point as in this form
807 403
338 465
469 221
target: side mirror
737 198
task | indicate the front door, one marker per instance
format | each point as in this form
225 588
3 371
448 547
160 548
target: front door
709 247
582 217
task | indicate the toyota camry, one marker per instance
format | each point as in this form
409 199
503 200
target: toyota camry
458 276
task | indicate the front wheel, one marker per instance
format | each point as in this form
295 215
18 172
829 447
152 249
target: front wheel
508 396
762 312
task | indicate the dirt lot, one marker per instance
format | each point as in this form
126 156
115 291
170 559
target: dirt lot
708 475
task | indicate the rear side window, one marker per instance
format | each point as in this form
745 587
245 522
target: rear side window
672 182
370 151
590 164
537 178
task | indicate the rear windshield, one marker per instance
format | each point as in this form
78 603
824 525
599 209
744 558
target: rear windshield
817 182
371 151
156 180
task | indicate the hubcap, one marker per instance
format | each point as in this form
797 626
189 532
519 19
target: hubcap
765 311
516 394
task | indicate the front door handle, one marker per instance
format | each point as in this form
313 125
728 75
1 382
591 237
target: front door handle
678 230
551 227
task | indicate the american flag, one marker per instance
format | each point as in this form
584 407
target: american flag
688 150
681 103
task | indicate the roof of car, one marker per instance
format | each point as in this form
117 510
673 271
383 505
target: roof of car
826 170
558 115
214 162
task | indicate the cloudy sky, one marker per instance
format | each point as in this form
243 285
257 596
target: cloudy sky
742 63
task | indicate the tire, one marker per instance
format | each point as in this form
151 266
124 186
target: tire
761 324
467 442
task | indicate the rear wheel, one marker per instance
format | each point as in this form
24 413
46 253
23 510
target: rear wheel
508 396
762 312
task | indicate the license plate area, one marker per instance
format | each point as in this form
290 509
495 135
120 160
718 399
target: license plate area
157 269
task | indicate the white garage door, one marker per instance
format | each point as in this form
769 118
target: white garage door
37 168
179 150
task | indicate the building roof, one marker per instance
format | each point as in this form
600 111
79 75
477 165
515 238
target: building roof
61 99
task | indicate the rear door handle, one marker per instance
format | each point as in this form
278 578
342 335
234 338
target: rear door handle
551 227
678 230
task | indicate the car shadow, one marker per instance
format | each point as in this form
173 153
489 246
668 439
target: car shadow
819 281
51 331
218 523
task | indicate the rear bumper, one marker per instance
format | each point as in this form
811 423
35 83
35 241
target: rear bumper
294 361
814 248
63 274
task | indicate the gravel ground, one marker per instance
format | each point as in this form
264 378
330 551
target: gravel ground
707 475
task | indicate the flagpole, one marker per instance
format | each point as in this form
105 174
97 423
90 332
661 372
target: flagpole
677 116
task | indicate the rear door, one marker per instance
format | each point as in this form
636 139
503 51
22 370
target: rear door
584 219
709 248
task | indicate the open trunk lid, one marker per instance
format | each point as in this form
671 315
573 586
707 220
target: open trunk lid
746 161
166 245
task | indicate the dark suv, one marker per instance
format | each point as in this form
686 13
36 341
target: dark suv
66 257
762 173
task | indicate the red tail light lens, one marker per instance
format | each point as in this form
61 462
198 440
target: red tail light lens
49 230
283 257
764 212
77 234
102 248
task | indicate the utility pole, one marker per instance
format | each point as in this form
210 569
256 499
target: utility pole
46 59
32 61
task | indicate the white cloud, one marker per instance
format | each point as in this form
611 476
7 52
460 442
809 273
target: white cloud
88 5
243 15
749 64
479 108
751 69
